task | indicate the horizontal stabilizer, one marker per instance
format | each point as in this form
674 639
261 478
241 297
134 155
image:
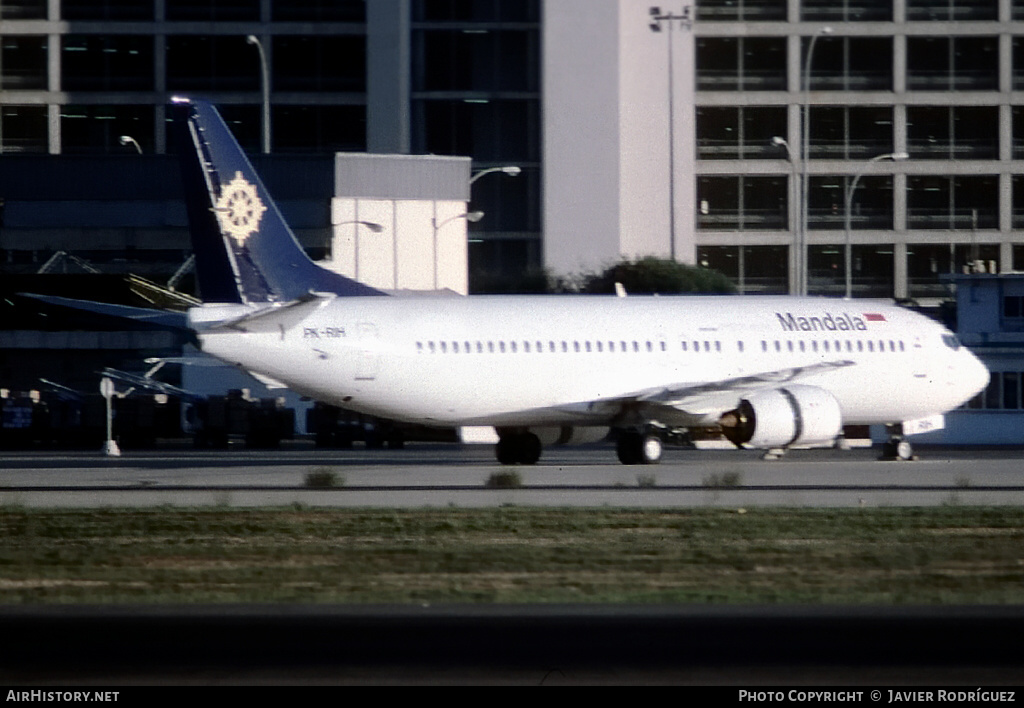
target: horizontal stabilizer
159 318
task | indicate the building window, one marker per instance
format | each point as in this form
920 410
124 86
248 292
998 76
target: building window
489 131
1017 189
319 11
871 273
850 63
213 10
23 62
198 63
952 10
958 203
23 129
98 129
850 132
846 10
107 63
117 10
495 60
476 11
23 10
319 128
953 133
336 63
1003 392
754 269
952 63
871 208
741 10
742 203
746 132
741 64
927 264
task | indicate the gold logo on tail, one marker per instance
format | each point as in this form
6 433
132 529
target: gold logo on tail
239 209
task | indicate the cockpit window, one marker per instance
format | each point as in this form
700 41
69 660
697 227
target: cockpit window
951 341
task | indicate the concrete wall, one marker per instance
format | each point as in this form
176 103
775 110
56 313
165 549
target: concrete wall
398 222
611 172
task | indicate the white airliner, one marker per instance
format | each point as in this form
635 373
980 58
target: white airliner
773 372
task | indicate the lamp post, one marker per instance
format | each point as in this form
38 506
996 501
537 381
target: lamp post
129 140
780 141
470 216
265 83
685 21
371 225
510 170
805 128
850 189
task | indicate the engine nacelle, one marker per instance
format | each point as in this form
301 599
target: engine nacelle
784 417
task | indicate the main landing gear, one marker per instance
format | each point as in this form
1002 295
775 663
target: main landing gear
897 447
638 448
634 447
517 448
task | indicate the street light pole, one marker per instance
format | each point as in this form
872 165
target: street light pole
805 129
794 194
253 39
510 170
686 20
129 140
850 189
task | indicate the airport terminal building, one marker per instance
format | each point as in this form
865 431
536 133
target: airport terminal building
682 142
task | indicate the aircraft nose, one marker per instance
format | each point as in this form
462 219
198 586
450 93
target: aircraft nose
976 376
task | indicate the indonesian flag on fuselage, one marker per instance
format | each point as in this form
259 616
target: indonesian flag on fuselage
874 317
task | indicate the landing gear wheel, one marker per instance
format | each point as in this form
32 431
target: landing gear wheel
898 449
519 449
638 449
904 450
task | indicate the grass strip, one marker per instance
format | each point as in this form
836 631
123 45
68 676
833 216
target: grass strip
932 555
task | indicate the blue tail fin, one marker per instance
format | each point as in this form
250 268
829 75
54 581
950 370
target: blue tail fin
245 252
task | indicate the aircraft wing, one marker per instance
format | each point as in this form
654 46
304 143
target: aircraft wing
686 403
161 318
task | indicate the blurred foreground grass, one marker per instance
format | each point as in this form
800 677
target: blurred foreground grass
934 555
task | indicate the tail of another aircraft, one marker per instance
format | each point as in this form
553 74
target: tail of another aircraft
245 252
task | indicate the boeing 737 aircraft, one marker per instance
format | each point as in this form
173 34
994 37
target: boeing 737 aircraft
773 372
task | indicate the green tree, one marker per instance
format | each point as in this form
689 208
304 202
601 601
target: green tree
651 275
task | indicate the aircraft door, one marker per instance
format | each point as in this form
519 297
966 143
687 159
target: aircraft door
368 363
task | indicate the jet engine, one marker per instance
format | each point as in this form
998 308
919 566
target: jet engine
784 417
